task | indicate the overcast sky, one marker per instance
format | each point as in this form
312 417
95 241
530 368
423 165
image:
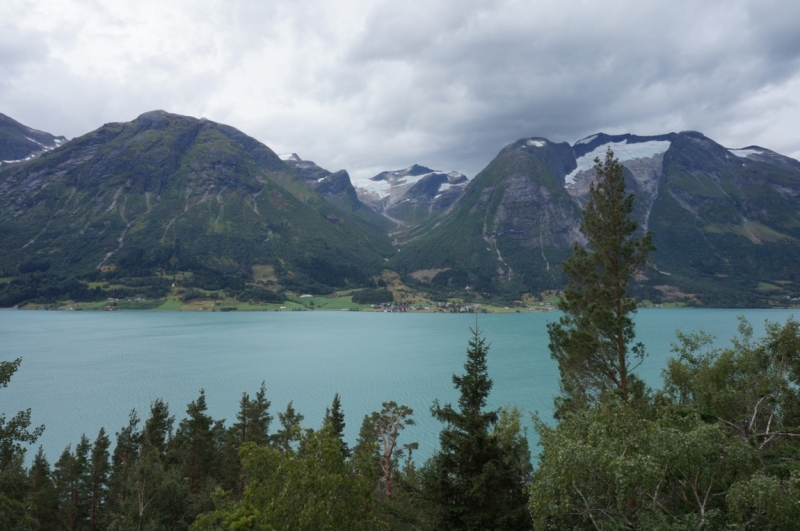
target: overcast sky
375 85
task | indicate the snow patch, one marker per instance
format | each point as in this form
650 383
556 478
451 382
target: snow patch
380 188
290 156
535 143
622 151
745 152
586 140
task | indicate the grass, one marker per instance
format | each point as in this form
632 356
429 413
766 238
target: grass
170 304
3 280
767 287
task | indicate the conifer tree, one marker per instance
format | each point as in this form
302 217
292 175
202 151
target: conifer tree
291 431
158 427
196 440
45 498
471 481
334 416
591 342
98 482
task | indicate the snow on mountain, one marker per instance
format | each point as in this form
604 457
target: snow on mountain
622 151
290 156
745 152
389 183
586 140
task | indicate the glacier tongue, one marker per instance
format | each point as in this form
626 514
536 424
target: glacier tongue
622 151
745 152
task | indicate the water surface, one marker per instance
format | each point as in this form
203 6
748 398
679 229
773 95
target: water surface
86 370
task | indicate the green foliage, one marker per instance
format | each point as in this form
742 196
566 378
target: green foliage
477 479
313 488
15 510
591 341
177 194
373 296
617 467
334 418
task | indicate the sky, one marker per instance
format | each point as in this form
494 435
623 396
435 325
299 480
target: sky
368 86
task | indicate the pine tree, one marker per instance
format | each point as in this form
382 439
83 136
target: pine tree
472 481
591 341
158 428
98 482
196 441
45 498
291 431
335 417
72 478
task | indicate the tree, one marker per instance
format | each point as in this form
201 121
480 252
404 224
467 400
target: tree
196 442
158 428
471 481
312 488
335 417
385 428
98 481
72 478
45 497
14 432
616 467
253 419
291 431
591 341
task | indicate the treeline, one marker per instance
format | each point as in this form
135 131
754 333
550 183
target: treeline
202 474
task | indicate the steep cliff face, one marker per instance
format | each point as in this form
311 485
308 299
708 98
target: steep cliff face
509 230
170 192
726 221
19 142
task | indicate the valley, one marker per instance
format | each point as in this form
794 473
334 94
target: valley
166 205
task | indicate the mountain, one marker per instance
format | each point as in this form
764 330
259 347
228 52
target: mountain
412 195
19 143
169 195
338 190
726 221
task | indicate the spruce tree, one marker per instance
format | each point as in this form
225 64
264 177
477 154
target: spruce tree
591 342
335 417
98 482
45 498
471 481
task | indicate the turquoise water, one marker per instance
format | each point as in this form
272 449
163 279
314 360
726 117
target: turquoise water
84 370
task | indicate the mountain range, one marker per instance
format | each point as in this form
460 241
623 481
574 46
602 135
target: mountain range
166 197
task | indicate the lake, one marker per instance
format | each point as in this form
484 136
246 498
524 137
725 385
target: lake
86 370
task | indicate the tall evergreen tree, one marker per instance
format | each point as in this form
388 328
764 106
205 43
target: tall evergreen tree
72 474
196 441
98 482
471 481
158 427
335 417
591 342
45 499
291 431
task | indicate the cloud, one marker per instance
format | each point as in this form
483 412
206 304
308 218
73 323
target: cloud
368 86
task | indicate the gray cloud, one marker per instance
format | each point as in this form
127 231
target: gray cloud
368 86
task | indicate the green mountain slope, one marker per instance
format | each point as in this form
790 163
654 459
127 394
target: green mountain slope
509 231
727 227
726 222
165 194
